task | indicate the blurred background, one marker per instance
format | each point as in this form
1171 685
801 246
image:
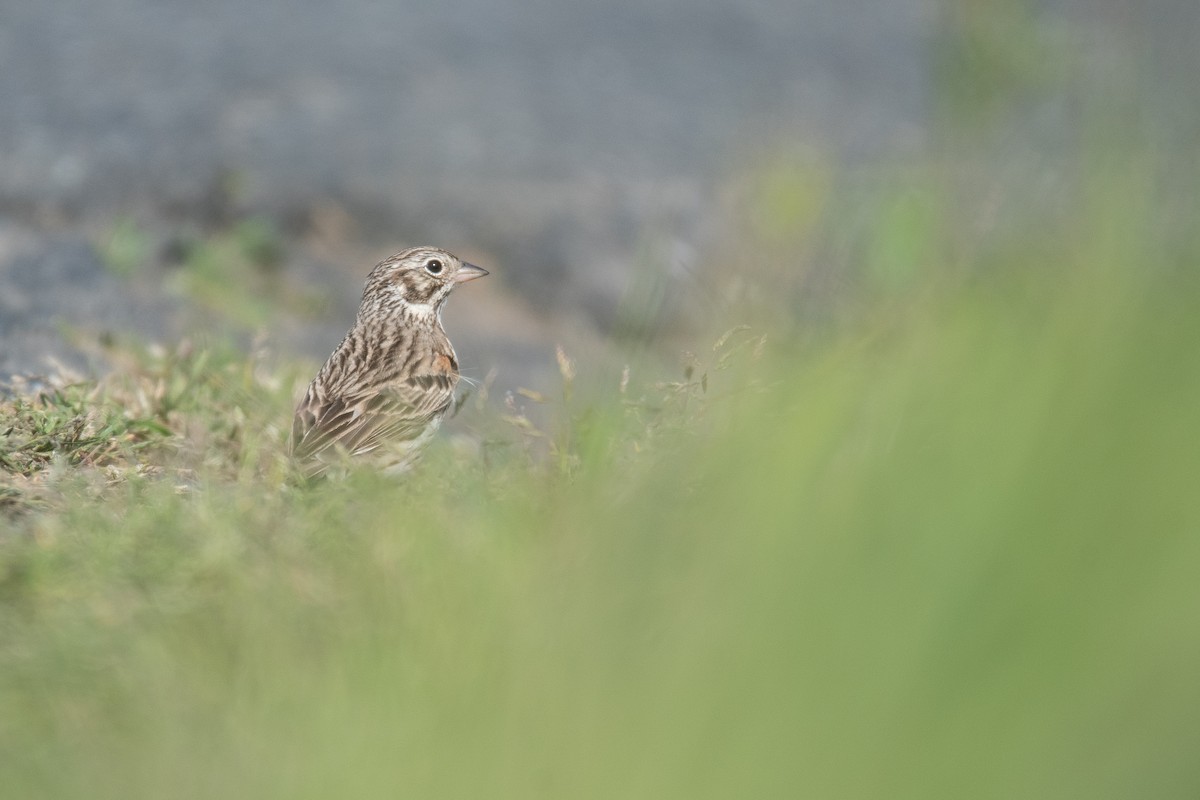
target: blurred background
925 527
630 171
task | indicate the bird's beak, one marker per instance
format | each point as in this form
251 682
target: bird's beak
469 272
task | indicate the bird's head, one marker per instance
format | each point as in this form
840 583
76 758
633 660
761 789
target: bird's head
417 281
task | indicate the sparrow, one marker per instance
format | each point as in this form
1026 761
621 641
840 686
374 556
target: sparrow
382 394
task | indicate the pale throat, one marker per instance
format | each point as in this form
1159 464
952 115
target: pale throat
423 312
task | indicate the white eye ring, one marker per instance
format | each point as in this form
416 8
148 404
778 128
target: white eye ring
433 266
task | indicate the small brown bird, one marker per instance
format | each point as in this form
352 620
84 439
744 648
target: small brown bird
382 394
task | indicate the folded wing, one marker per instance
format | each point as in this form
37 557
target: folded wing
391 421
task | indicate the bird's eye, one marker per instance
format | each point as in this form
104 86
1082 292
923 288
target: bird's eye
433 266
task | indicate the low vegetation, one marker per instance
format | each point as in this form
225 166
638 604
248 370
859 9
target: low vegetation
947 549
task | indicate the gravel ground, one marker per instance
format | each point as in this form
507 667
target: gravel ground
549 140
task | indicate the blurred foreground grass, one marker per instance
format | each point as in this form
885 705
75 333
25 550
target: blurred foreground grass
950 551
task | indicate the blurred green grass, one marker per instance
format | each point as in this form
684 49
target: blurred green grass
946 544
953 553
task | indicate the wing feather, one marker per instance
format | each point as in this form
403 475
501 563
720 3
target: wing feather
393 418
